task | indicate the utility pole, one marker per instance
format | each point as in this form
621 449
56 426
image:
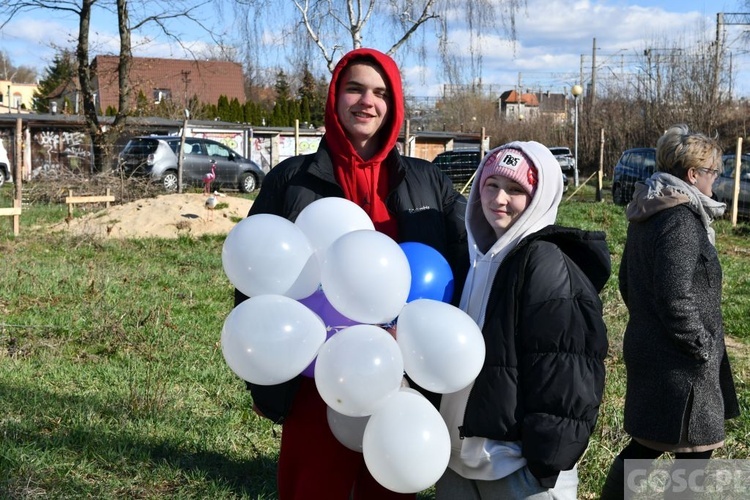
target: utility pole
724 19
580 72
717 54
592 97
186 80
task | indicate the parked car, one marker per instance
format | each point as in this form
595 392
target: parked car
156 156
634 165
565 158
723 187
460 165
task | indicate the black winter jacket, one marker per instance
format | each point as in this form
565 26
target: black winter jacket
426 206
543 377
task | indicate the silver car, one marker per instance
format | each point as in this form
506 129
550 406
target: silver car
723 187
156 156
565 158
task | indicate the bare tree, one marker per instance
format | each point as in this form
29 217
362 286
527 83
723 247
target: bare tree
329 27
16 74
103 137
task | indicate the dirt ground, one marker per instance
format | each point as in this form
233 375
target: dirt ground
166 216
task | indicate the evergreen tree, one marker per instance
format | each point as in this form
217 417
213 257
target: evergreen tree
304 111
251 112
318 110
313 97
294 112
61 71
235 111
210 111
142 104
283 91
278 115
222 108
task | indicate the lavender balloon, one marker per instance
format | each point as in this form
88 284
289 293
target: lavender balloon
334 320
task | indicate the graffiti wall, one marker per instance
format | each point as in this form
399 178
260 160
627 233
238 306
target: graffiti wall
60 151
260 152
262 149
307 145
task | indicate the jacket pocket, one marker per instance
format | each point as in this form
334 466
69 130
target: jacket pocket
709 266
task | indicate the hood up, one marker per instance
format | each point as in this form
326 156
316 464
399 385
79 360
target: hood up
336 138
486 251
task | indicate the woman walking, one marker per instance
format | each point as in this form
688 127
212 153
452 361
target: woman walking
679 384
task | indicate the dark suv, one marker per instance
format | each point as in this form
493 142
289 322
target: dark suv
156 156
634 165
458 164
723 187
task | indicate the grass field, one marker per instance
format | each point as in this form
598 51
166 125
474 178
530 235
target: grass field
112 382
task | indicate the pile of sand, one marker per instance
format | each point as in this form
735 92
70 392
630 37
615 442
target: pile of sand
166 216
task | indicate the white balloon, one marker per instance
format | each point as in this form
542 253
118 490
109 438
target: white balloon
358 369
366 277
267 254
269 339
406 445
327 219
443 347
347 430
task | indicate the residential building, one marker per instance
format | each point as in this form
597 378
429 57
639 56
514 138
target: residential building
16 97
514 105
176 80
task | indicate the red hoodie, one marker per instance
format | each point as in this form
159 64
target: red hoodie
366 182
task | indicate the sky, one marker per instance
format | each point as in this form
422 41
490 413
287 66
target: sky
555 39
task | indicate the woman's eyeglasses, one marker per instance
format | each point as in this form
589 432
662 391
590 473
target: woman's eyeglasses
713 172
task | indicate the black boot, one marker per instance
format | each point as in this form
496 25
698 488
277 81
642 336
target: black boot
614 485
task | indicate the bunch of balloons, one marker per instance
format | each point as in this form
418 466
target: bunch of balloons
321 290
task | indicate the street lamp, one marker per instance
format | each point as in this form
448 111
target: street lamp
576 91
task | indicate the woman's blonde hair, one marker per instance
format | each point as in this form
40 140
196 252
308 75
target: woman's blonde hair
679 150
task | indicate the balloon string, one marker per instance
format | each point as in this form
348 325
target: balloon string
336 328
390 324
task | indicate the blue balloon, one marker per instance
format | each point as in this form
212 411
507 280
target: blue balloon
431 275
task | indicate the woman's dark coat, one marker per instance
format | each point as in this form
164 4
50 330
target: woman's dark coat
670 280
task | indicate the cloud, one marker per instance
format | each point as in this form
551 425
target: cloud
31 41
553 37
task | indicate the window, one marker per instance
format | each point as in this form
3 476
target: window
217 150
162 95
650 161
729 163
634 160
